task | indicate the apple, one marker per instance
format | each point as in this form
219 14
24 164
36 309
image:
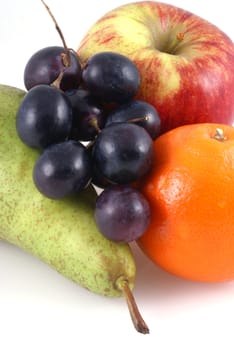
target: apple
186 63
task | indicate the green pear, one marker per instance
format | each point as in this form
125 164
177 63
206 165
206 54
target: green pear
62 233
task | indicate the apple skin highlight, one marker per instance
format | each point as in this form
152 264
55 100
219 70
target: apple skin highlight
185 62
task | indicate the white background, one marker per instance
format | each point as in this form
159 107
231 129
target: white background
40 309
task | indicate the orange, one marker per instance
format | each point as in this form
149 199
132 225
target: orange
191 193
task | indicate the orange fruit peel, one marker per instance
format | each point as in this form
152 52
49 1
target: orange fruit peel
191 193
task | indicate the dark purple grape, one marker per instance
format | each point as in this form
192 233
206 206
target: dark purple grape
44 117
98 179
123 153
62 169
139 112
111 77
88 115
45 66
122 213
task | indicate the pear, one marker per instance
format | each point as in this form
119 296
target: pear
62 233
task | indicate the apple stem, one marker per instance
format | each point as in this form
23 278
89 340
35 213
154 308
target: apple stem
138 322
65 58
180 36
174 44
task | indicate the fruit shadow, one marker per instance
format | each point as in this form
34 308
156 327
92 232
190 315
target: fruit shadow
153 283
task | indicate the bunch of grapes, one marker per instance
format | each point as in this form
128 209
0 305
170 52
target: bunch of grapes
89 128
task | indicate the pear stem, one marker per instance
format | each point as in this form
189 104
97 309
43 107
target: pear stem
138 322
66 58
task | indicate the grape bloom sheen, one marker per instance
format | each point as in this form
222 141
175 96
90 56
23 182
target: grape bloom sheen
123 153
44 117
62 169
88 115
122 213
139 112
111 77
45 66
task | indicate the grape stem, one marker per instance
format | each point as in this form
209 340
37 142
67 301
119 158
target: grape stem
66 59
138 322
94 123
58 80
138 119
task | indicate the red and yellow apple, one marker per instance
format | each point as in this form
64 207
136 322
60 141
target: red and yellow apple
186 63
